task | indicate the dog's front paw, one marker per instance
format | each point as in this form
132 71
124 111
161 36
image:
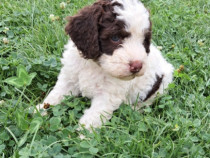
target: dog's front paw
89 121
93 119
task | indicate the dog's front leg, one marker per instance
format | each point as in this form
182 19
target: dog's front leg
65 85
101 110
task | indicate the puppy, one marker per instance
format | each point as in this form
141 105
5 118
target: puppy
110 60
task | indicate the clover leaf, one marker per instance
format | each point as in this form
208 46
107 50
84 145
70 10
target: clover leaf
23 79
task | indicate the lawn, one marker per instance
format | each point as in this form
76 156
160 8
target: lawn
31 43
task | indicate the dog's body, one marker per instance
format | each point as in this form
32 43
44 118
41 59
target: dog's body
113 63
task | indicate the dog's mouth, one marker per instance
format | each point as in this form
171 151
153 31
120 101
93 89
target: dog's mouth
122 70
127 75
130 77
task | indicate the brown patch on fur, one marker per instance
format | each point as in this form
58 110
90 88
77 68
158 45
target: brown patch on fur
92 28
155 87
109 27
147 38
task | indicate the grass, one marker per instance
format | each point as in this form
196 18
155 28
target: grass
177 125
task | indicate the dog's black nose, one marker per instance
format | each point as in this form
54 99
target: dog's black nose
135 66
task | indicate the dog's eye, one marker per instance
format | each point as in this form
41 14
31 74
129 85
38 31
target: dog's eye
115 38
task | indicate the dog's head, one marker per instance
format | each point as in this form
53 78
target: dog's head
114 33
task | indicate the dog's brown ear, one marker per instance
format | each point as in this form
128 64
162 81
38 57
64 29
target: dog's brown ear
83 30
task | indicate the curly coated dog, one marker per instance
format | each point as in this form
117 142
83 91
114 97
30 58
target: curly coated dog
110 59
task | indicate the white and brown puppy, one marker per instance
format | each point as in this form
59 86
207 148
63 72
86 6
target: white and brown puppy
110 60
